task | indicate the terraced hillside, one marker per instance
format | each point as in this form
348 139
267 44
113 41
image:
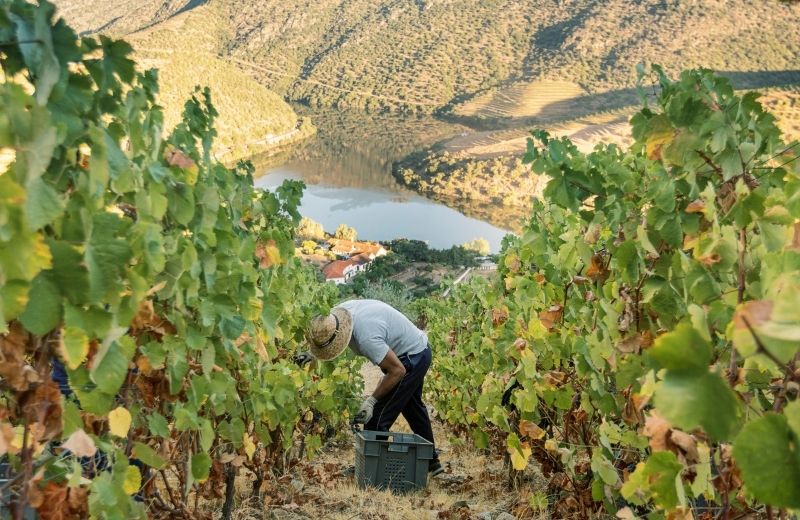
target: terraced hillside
183 40
474 55
425 53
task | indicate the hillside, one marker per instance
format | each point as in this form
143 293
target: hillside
119 17
423 55
429 54
183 39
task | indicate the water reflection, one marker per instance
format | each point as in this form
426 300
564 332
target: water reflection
347 168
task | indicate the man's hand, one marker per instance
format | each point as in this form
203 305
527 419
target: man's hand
303 358
364 413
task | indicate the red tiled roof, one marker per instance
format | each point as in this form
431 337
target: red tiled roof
349 246
361 258
335 269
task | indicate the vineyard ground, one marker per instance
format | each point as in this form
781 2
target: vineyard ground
473 487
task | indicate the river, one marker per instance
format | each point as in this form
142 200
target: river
347 171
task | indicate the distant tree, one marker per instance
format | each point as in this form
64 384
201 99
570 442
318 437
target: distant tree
345 232
308 247
310 229
394 293
479 245
413 250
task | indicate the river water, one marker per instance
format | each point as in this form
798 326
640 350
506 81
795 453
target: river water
347 171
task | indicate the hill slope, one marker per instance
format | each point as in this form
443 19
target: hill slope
427 54
183 40
436 52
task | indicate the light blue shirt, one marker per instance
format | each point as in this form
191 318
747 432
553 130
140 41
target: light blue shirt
378 327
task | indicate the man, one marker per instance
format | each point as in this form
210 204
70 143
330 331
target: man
386 337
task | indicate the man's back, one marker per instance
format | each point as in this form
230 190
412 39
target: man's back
377 327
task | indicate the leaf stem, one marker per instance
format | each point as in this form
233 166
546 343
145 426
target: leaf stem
742 245
788 370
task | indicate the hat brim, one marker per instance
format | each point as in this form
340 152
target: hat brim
342 337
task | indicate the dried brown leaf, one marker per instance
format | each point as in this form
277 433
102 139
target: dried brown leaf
696 206
80 444
531 430
657 429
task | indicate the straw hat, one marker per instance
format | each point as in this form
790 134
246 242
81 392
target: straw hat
329 335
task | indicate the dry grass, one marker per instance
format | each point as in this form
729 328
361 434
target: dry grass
525 99
585 132
785 105
475 483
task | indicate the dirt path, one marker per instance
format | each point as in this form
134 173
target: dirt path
473 487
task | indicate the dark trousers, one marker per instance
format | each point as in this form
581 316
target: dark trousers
406 399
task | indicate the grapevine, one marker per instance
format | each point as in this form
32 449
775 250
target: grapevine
157 280
641 340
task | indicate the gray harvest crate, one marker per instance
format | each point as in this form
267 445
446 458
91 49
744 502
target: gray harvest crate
395 461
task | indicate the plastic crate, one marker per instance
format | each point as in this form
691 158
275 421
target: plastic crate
395 461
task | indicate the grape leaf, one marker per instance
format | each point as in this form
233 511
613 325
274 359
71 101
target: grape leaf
690 400
768 453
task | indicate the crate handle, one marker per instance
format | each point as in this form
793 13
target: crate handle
398 448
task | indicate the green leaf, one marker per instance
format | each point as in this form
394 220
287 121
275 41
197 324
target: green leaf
13 299
106 257
181 204
657 479
91 399
69 271
158 425
201 466
39 57
110 367
602 467
768 453
34 136
792 413
43 205
683 350
690 400
44 309
177 365
148 455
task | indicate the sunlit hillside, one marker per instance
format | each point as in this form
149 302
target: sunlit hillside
431 53
183 42
425 54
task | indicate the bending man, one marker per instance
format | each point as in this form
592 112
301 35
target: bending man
383 335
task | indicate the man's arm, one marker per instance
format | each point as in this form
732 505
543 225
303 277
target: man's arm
395 371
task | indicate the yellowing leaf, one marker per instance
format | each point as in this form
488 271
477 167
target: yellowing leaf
660 135
551 446
249 446
7 156
80 444
119 421
268 254
133 480
519 458
74 347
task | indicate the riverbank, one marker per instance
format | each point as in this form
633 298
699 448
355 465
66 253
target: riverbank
498 190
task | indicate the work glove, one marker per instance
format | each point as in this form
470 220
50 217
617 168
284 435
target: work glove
303 358
364 413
